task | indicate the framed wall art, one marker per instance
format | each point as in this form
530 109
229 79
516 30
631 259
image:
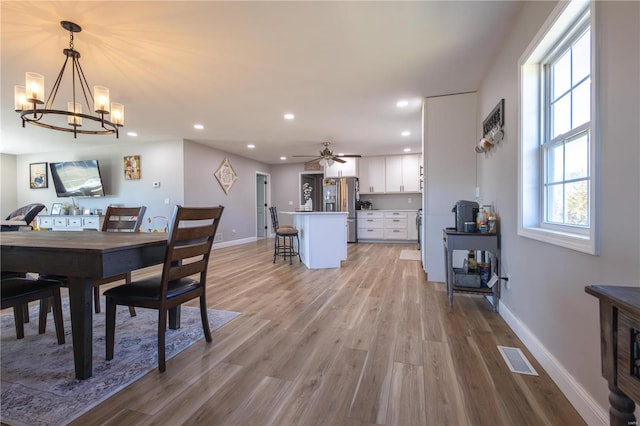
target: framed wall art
56 208
226 176
132 167
38 176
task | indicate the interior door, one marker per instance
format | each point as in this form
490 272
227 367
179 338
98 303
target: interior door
261 206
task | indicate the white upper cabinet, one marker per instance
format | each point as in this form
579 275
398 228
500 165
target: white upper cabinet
403 173
347 169
372 175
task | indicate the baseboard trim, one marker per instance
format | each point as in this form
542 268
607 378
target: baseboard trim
233 243
592 413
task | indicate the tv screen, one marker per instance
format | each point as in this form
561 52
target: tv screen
77 178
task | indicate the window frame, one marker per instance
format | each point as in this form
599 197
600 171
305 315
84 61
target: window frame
564 25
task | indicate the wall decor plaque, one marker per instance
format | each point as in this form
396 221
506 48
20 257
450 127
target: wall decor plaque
226 176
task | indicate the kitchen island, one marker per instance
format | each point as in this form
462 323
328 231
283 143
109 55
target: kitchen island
323 238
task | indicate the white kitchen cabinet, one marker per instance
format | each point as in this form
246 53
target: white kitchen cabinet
69 222
347 169
402 173
386 225
371 174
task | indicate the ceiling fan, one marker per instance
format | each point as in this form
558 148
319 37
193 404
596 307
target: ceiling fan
327 155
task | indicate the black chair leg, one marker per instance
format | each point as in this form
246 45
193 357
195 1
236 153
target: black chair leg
25 310
162 328
205 319
298 240
18 315
57 315
42 317
111 328
96 300
275 249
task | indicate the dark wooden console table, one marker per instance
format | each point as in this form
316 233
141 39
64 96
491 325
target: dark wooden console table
620 348
454 240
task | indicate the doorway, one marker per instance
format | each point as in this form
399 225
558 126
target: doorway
262 197
315 181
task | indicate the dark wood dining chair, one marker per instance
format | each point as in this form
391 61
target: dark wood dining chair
18 291
118 219
187 254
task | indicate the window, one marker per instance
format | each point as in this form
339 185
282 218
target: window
558 138
565 144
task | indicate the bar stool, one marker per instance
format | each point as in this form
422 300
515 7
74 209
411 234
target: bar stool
286 233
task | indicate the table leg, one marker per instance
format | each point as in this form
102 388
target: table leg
621 408
174 318
80 301
448 261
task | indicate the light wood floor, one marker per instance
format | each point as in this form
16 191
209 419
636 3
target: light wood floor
370 343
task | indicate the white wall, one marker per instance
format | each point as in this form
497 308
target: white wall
201 188
184 170
160 161
394 201
547 304
8 193
285 182
449 136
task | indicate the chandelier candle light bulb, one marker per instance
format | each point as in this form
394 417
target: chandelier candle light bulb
101 96
75 108
117 113
35 84
20 98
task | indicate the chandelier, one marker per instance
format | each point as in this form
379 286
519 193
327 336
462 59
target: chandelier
29 96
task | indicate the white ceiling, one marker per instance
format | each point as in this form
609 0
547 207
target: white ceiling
237 67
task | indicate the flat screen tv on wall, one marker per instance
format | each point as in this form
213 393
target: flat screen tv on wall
77 178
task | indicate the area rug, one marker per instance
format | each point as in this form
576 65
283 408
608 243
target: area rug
38 380
410 255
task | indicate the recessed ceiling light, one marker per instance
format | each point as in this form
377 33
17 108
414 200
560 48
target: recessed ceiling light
406 133
134 134
198 126
283 158
407 150
251 146
289 116
402 103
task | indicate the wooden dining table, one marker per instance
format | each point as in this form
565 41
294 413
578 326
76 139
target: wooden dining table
82 256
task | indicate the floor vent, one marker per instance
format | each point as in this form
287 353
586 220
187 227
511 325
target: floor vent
516 361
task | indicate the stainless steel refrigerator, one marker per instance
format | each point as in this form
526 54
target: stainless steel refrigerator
340 195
